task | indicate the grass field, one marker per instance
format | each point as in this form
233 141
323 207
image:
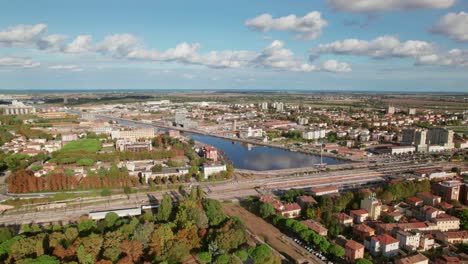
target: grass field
88 145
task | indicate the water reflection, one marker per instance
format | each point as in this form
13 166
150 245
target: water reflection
262 158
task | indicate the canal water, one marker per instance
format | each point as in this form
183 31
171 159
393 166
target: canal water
260 158
253 157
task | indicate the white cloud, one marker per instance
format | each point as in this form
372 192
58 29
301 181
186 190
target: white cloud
381 47
50 42
81 44
335 66
18 62
454 26
308 27
21 35
118 45
388 5
455 57
69 67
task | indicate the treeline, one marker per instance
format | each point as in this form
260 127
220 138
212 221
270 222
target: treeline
197 226
296 229
24 181
116 156
402 190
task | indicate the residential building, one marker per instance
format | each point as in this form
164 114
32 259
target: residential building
415 259
134 134
320 191
448 190
446 223
440 136
314 134
363 231
408 239
251 133
135 146
291 210
316 227
210 152
411 111
306 201
359 216
453 237
353 251
343 219
373 206
390 110
414 201
429 198
384 244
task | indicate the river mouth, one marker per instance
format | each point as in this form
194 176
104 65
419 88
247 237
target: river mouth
261 158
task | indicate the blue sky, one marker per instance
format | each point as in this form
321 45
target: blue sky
378 45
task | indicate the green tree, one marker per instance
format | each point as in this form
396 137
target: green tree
463 215
363 261
242 255
111 245
231 235
336 250
266 210
110 219
5 234
214 211
262 254
165 209
86 226
205 257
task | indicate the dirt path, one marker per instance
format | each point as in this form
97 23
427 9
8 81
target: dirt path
267 232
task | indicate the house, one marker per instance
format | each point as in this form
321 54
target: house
384 244
306 201
359 216
373 206
429 212
315 226
453 237
353 251
320 191
291 210
210 152
343 219
429 198
416 259
363 231
408 239
446 222
447 260
414 201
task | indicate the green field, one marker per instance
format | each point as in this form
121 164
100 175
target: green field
88 145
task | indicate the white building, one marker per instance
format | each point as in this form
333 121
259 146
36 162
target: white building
212 169
402 149
385 245
251 132
314 134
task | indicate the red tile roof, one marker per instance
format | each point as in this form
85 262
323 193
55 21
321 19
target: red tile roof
292 207
354 245
386 239
359 212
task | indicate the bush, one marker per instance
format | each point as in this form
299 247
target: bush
85 162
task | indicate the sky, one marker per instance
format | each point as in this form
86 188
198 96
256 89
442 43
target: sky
365 45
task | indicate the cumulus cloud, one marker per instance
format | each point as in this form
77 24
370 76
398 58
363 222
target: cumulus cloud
50 42
454 57
118 45
454 26
81 44
21 35
381 47
18 62
336 66
69 67
308 27
189 54
387 5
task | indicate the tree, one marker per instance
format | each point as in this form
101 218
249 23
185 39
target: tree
363 261
110 219
231 235
133 251
266 209
165 209
205 257
242 255
5 234
143 233
156 168
111 245
336 250
463 215
86 226
262 254
214 211
44 259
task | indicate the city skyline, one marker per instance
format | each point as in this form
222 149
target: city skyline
412 45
